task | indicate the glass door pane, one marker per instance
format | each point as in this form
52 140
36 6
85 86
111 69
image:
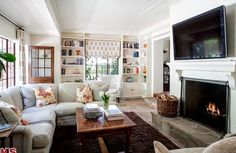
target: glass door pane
41 72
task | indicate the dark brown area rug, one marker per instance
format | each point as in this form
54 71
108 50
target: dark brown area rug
66 140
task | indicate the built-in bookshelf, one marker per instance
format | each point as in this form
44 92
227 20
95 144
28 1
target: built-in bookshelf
131 67
72 59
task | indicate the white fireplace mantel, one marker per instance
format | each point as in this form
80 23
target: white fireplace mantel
221 70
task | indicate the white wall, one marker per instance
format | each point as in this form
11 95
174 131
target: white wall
187 9
157 64
55 41
7 29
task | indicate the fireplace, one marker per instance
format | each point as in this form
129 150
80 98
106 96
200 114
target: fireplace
206 102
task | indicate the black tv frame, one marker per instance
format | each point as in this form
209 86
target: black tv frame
222 9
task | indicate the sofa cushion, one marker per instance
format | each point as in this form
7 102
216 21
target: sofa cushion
67 91
28 96
14 92
40 114
97 87
227 145
67 108
33 109
6 98
42 134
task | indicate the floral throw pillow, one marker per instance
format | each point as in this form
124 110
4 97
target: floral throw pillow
44 96
84 96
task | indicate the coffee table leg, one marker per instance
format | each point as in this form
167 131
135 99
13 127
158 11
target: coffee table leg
82 141
128 141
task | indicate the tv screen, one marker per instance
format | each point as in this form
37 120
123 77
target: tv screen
201 37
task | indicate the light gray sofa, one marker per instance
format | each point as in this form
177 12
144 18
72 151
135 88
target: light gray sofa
37 136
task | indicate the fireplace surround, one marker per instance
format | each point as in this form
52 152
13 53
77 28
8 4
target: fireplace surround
206 102
215 70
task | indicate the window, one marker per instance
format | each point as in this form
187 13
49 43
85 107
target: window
96 66
8 77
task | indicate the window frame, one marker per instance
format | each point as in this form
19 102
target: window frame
107 66
7 77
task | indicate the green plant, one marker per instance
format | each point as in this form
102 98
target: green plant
7 57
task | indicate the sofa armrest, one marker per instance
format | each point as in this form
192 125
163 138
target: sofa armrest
22 136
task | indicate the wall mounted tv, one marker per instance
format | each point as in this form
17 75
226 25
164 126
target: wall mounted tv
201 37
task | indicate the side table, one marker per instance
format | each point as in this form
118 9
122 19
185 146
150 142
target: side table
7 134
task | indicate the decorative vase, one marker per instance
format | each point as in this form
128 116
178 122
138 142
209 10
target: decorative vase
106 104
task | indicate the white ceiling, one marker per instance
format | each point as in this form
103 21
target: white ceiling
32 15
129 17
111 16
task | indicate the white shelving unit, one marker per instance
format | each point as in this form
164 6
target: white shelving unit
131 67
72 59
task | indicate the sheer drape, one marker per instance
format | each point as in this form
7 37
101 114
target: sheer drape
21 57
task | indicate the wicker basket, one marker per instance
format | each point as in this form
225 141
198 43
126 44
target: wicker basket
167 108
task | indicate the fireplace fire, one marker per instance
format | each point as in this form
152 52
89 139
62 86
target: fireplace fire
213 110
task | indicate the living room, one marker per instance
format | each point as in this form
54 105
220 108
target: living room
99 76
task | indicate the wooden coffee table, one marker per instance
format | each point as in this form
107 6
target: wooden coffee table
100 127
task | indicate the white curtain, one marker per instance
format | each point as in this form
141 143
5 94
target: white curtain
101 48
21 57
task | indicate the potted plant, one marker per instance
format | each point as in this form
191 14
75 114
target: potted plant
7 57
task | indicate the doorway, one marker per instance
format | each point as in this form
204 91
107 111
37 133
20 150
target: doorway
160 60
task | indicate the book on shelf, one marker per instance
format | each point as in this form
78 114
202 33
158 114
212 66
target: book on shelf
5 127
113 113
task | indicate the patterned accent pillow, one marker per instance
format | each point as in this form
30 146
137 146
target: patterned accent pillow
17 112
44 96
84 96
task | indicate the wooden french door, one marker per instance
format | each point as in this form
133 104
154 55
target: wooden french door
41 64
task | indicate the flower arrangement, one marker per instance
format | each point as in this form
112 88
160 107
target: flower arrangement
105 97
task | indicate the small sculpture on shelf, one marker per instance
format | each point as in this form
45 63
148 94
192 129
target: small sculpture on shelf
63 52
129 79
78 52
64 61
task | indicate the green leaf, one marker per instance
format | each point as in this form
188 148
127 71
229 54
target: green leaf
2 67
7 57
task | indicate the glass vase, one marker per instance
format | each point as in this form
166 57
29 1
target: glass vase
106 104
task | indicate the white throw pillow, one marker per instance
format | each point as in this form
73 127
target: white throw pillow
97 87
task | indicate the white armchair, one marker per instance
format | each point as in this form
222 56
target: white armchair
226 145
115 84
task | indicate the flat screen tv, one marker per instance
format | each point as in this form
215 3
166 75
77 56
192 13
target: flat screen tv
201 37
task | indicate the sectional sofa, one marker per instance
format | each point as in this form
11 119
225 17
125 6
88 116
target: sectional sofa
37 136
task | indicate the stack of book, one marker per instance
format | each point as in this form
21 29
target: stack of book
92 111
113 113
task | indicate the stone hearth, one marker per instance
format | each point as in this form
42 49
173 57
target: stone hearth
186 132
